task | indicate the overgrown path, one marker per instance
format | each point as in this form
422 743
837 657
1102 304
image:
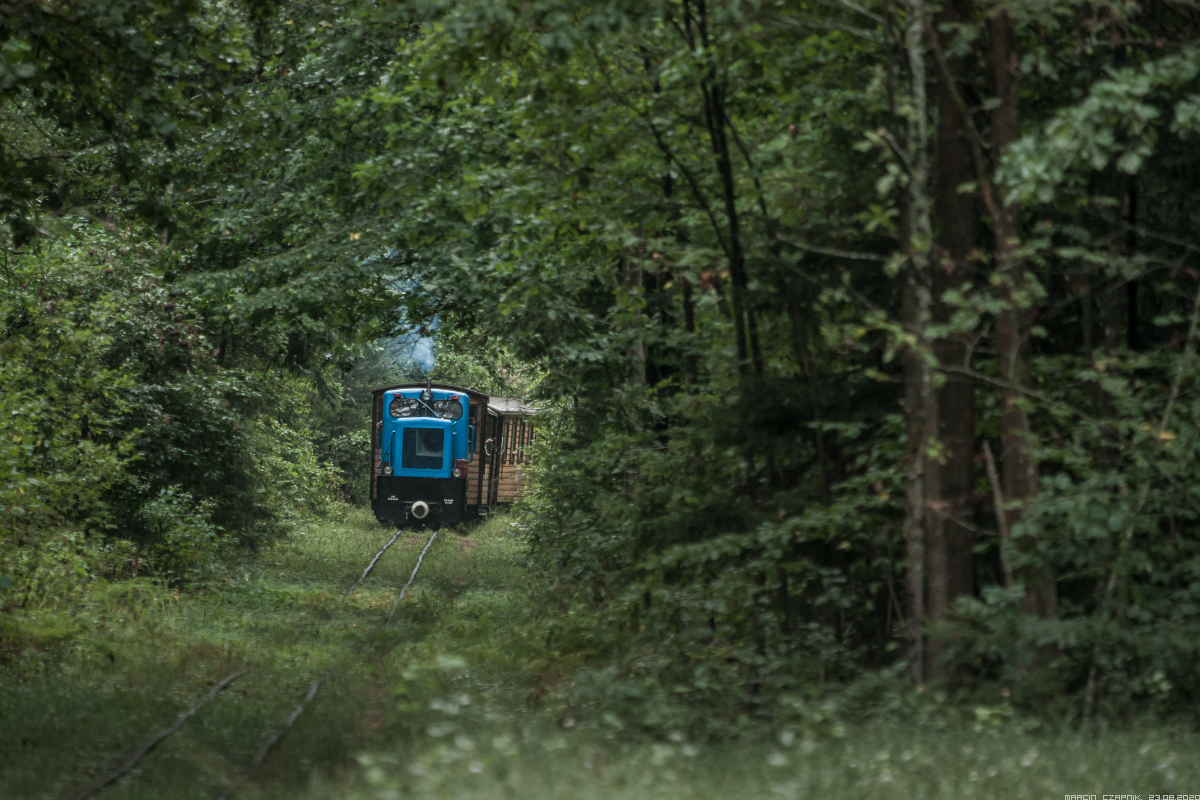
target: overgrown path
282 617
456 698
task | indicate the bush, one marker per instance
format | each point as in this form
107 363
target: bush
713 595
182 545
121 423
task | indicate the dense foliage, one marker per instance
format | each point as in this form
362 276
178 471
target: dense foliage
129 449
864 334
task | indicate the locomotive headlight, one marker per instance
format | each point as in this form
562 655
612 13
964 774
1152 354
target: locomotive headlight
457 473
448 409
402 407
387 469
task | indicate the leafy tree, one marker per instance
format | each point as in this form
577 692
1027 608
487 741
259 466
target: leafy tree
81 80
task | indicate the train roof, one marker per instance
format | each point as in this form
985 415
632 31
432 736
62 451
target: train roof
509 405
471 393
500 405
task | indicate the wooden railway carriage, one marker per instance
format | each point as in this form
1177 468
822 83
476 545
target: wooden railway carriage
507 449
444 454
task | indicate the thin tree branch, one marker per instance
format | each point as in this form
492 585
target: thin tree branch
829 26
856 8
853 255
1000 383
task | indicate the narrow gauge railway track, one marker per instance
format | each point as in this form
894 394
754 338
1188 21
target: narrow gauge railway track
147 746
315 686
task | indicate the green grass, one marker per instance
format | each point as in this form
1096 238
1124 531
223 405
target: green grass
456 699
280 614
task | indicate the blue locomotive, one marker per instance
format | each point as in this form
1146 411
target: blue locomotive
424 445
444 454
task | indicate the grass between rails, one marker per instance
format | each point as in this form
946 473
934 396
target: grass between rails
76 710
451 701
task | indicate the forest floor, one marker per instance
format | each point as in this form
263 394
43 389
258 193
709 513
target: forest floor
448 701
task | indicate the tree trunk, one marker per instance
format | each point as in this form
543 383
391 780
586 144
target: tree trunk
920 407
691 366
1013 324
920 396
950 554
808 368
631 280
1133 336
743 318
695 31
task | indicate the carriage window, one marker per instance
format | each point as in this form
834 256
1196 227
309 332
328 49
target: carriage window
423 448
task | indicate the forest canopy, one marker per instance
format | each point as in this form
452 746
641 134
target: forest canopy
863 333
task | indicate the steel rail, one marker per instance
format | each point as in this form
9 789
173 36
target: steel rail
156 739
371 566
261 755
411 578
